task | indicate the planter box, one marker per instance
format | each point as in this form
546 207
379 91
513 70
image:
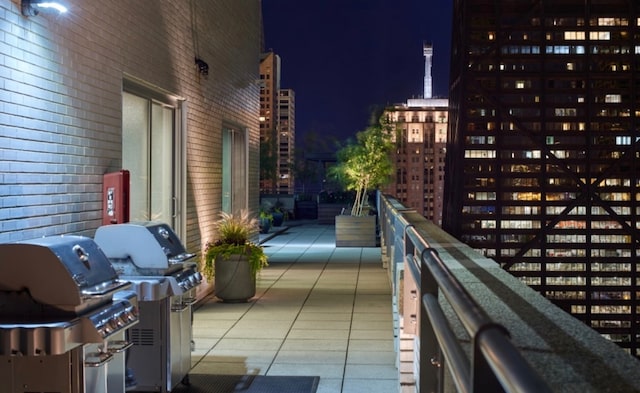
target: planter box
355 231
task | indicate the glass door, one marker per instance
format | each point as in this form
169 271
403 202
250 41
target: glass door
148 152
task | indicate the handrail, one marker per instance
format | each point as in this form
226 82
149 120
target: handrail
496 365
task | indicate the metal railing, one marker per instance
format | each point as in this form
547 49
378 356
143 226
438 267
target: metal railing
495 364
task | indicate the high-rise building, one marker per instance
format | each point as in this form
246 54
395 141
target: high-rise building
543 169
269 87
420 136
277 129
286 140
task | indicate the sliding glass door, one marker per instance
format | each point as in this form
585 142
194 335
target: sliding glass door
149 152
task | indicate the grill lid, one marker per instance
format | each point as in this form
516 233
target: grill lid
148 245
66 272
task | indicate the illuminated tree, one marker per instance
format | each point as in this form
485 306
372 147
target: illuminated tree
365 164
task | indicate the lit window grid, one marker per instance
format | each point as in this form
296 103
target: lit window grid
574 156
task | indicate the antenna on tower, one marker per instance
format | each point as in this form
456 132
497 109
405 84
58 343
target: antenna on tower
427 50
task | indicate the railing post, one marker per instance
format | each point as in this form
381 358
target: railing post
483 379
431 362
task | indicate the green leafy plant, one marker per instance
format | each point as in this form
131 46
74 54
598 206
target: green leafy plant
278 207
234 231
266 220
266 215
278 212
365 164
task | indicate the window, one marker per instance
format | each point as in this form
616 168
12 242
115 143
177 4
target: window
480 154
613 98
234 170
599 35
623 140
565 111
574 35
612 22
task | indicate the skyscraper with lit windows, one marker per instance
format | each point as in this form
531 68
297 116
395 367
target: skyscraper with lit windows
269 87
277 129
543 169
286 140
420 136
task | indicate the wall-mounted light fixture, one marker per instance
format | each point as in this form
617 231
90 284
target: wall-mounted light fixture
203 67
34 7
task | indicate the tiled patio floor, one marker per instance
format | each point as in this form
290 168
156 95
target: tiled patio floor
319 311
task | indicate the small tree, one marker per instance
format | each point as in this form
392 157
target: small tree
365 164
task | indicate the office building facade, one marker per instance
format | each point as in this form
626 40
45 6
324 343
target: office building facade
277 128
420 132
286 140
269 87
420 136
542 169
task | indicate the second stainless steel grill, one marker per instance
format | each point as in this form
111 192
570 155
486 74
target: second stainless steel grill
152 257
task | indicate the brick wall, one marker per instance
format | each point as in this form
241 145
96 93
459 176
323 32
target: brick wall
61 80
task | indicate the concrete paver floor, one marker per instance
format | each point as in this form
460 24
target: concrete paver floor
318 311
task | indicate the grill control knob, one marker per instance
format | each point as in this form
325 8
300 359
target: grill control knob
131 314
113 324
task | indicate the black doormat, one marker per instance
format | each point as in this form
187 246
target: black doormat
213 383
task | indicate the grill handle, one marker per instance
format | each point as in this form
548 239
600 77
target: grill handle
102 358
180 307
183 305
103 290
119 346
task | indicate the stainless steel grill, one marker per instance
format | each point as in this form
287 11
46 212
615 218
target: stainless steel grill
151 257
64 314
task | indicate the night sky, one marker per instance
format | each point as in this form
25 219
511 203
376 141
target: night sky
344 57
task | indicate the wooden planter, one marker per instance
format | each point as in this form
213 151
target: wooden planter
233 280
355 231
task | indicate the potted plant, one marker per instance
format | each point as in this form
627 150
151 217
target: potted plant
266 221
278 213
363 166
233 260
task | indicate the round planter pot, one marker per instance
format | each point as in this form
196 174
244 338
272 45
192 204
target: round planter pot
265 225
233 280
278 218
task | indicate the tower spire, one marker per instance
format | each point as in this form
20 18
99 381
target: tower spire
427 49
